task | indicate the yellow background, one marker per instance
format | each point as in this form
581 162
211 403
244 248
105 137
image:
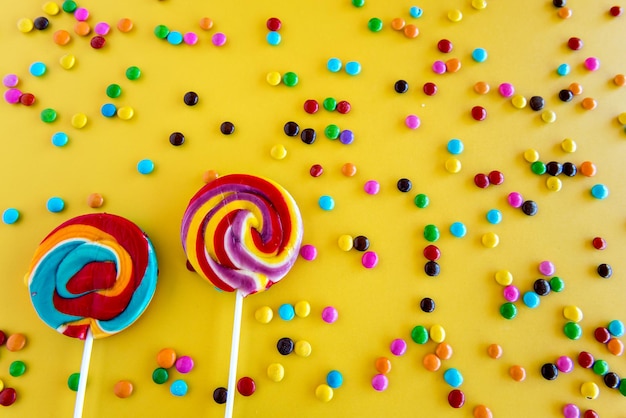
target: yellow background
526 41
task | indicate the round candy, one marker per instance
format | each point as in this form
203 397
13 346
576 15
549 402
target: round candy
286 312
330 314
398 347
334 379
453 377
380 382
184 364
246 386
324 392
242 232
94 272
123 389
10 216
179 388
275 372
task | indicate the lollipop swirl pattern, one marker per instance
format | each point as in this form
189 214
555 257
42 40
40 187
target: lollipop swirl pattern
96 271
242 233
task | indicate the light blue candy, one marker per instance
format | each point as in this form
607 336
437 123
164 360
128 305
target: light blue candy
416 12
353 68
531 299
453 377
616 328
479 55
494 216
145 166
179 388
334 65
334 379
599 191
38 69
273 38
60 139
10 216
326 202
55 204
563 69
458 229
108 110
455 146
286 312
175 37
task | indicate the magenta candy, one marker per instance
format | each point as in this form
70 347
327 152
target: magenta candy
12 96
592 64
412 122
565 364
380 382
439 67
81 14
190 38
308 252
398 347
515 199
218 39
506 89
330 314
511 293
546 268
184 364
371 187
571 411
102 28
369 259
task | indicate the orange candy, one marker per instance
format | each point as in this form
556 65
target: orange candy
494 351
576 88
125 25
453 65
481 87
123 389
61 37
444 351
16 342
589 103
209 176
95 200
348 169
206 23
518 373
166 358
565 12
431 362
615 347
383 365
481 411
411 31
398 23
588 169
82 28
620 80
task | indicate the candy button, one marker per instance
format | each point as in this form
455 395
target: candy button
419 334
67 61
573 313
511 293
456 398
600 367
600 191
108 110
508 310
565 364
334 65
437 333
160 376
411 31
125 25
290 79
589 390
79 120
444 351
7 396
190 38
383 365
398 347
278 152
275 372
330 314
98 42
302 309
361 243
572 330
55 204
302 348
571 411
453 377
453 165
616 328
612 380
353 68
51 8
345 242
494 351
531 299
72 381
326 202
145 166
549 371
380 382
17 368
369 259
518 101
490 240
37 69
246 386
504 277
332 131
548 116
481 87
529 208
371 187
480 55
184 364
174 37
10 216
568 145
431 362
585 359
415 12
219 395
481 411
179 388
479 4
563 70
455 146
439 67
273 78
166 358
531 155
479 113
517 373
427 305
95 200
48 115
324 392
494 216
615 347
123 389
308 252
25 25
334 379
431 233
286 312
375 24
421 201
125 112
16 342
264 314
455 15
412 121
506 89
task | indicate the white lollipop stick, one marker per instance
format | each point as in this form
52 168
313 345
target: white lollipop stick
84 371
234 354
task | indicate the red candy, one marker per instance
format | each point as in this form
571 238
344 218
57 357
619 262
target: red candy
98 42
481 180
311 106
496 177
615 11
590 413
430 89
27 99
574 43
343 107
479 113
3 337
585 359
432 253
444 46
316 170
602 335
274 24
599 243
456 398
246 386
7 396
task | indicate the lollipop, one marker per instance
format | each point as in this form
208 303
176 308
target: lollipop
242 233
92 277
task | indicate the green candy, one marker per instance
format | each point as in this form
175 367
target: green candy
508 310
572 330
419 334
421 201
431 233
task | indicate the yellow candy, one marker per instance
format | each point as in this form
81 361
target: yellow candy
554 184
51 8
479 4
67 61
437 333
531 155
324 392
453 165
568 145
455 15
79 120
303 348
302 308
264 314
622 118
275 372
1 384
490 240
573 313
504 277
518 101
273 78
278 152
589 390
548 116
345 242
25 25
125 112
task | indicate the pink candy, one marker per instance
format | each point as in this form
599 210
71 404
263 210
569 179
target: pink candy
398 347
308 252
380 382
218 39
546 268
12 96
412 122
330 314
190 38
369 259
